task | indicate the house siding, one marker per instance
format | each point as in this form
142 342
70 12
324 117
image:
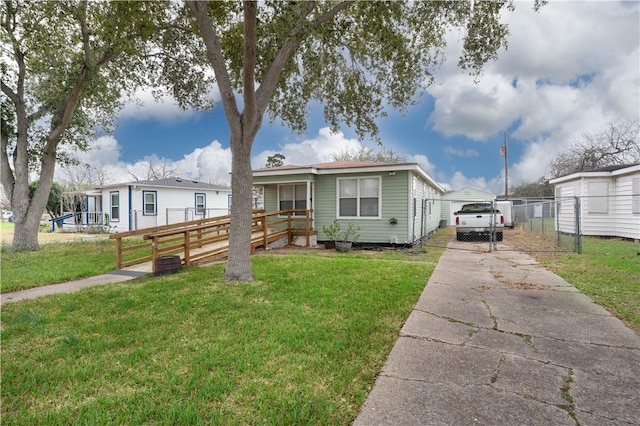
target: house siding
627 223
396 198
173 205
619 219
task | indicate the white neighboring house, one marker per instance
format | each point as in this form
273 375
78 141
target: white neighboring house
142 204
610 201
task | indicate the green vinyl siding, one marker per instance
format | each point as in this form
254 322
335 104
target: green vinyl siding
396 202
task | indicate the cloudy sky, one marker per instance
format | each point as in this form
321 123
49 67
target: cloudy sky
569 70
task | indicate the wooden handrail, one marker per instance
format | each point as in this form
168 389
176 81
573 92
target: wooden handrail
194 239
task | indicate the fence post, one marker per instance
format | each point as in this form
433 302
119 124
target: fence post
492 227
558 229
578 236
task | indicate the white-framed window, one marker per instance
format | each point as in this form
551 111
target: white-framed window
292 196
149 203
201 203
114 207
598 200
635 195
359 197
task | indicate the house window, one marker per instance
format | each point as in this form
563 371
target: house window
635 195
292 197
201 203
149 203
114 209
359 197
598 201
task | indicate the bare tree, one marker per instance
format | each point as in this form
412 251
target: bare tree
617 144
153 168
386 155
84 176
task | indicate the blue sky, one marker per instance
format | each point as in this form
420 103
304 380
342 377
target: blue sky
569 70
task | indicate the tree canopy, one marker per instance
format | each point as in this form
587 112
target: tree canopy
357 59
66 67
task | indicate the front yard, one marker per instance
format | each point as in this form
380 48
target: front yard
300 345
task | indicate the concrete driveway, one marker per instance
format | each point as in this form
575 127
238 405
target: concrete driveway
496 339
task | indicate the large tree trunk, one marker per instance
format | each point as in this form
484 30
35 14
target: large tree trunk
239 261
28 212
25 233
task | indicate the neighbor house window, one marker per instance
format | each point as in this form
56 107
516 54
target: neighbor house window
292 197
359 197
201 203
114 209
149 202
598 201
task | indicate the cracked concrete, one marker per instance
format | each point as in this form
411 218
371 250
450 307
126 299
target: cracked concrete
496 339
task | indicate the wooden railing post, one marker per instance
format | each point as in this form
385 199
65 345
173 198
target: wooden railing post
265 230
187 259
118 253
154 253
307 227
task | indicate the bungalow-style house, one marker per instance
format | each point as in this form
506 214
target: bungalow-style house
609 201
452 201
142 204
391 203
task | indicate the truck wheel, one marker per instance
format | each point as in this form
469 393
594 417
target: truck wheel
459 236
499 236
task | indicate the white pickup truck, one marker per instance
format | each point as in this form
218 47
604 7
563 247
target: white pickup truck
478 219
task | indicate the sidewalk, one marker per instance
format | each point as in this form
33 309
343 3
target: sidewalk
116 276
496 339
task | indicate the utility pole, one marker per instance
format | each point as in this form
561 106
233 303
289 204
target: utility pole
504 153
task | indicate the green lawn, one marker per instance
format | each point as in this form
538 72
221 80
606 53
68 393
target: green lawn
300 345
608 270
58 262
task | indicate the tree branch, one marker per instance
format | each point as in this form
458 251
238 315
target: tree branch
250 118
302 30
216 59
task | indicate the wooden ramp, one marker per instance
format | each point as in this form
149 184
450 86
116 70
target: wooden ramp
205 239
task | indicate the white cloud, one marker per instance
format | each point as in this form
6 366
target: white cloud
209 164
104 150
476 111
144 106
569 70
423 162
310 151
458 152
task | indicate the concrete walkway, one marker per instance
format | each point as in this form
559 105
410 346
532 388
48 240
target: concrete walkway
71 286
496 339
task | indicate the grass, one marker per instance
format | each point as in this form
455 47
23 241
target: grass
608 270
55 263
300 345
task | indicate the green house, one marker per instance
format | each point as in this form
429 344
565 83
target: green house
391 203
